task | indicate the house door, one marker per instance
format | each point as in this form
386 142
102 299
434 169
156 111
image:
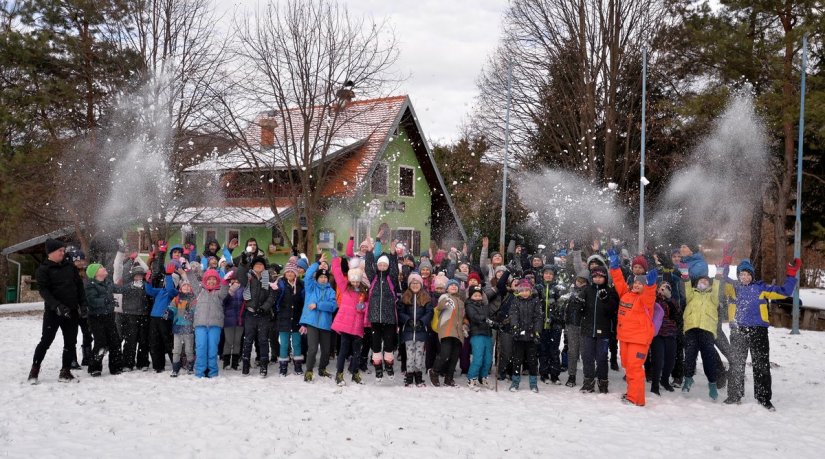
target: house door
411 239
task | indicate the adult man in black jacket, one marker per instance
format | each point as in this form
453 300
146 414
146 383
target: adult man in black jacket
62 289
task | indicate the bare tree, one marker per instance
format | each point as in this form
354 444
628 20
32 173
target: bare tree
298 64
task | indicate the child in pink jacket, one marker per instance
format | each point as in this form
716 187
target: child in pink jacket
349 321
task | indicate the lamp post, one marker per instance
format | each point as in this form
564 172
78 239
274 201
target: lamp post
797 232
501 246
642 180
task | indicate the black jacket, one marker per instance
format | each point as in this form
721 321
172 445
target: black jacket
382 302
135 301
261 299
572 305
289 305
478 312
100 297
549 295
526 318
60 284
600 305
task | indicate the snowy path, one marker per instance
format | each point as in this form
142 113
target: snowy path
152 415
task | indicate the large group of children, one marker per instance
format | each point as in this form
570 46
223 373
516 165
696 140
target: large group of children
437 314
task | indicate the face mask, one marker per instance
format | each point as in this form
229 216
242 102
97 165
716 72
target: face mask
138 284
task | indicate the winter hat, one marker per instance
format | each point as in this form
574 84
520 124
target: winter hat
641 261
453 282
53 244
302 263
694 247
501 268
440 281
321 272
425 264
745 265
136 271
415 277
460 276
257 260
354 274
492 255
475 289
210 273
474 275
525 284
641 278
562 253
292 267
92 269
383 259
598 271
551 268
409 257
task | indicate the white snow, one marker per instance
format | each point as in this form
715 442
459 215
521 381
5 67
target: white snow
151 415
812 298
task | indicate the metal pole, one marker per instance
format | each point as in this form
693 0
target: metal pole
797 233
19 268
642 162
501 246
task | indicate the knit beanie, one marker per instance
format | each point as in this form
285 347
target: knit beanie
257 260
473 290
383 259
453 282
745 265
425 264
354 274
291 266
53 244
321 272
415 277
474 275
92 269
302 264
440 281
641 278
525 284
641 261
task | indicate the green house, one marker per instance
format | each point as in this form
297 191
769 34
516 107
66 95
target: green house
381 172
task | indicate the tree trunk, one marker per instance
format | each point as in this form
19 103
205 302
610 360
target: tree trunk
756 238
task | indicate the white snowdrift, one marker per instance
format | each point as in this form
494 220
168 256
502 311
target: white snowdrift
152 415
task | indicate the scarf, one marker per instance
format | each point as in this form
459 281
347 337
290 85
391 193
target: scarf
247 293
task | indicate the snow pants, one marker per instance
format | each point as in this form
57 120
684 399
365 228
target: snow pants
549 341
184 342
755 340
51 323
415 356
594 356
633 357
206 351
525 353
160 341
663 358
573 337
482 357
350 347
104 330
256 331
448 357
700 341
135 340
232 340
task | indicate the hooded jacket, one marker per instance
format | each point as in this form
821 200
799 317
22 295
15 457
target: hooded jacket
478 313
382 299
322 296
450 317
549 295
60 283
749 303
349 319
600 304
209 303
289 304
635 323
100 297
526 318
163 295
702 309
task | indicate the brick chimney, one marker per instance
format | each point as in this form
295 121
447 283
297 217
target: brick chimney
268 126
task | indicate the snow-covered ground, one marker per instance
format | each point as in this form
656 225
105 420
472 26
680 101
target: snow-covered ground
152 415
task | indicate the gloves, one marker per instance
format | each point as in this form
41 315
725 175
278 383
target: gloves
793 267
133 256
170 268
614 258
652 275
168 314
727 255
162 245
360 306
84 312
489 322
121 245
62 310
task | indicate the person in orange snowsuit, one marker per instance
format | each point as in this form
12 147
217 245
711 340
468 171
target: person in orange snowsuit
635 326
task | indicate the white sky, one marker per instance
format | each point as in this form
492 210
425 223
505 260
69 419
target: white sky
444 45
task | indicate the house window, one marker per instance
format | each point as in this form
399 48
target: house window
326 239
233 234
406 181
380 179
363 227
209 235
410 238
138 240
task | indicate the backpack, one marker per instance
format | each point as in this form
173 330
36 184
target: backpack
658 318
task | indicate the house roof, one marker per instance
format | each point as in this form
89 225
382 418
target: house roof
37 241
225 215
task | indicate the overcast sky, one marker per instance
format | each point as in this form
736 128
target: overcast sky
443 47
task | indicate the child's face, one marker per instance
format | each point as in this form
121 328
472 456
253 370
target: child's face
290 276
322 279
580 283
211 282
499 274
213 263
676 257
548 276
702 285
472 282
101 274
497 260
452 289
415 286
425 272
186 288
464 269
637 287
383 266
476 296
524 292
599 280
745 277
685 251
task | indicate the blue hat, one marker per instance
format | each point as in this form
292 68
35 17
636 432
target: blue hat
453 282
745 265
562 253
302 263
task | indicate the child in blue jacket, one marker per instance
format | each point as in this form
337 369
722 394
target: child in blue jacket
749 323
316 319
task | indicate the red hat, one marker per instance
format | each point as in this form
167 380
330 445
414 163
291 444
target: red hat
641 261
474 275
525 284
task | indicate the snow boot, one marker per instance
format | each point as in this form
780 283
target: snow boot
554 380
588 385
712 392
677 382
66 376
175 370
571 381
473 385
603 386
233 361
687 384
545 379
379 371
665 384
283 367
339 379
226 362
485 383
324 373
732 401
514 383
768 405
419 379
190 367
434 379
245 367
356 378
264 369
654 387
34 373
449 381
408 379
534 386
299 366
87 354
388 368
308 376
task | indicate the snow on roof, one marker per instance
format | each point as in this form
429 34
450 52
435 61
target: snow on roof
224 215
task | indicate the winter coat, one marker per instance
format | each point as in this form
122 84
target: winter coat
526 318
261 297
572 305
162 295
450 317
135 301
233 307
670 322
323 297
209 303
600 304
381 308
414 316
478 313
635 323
749 306
60 284
702 309
349 319
100 297
183 308
549 295
289 304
